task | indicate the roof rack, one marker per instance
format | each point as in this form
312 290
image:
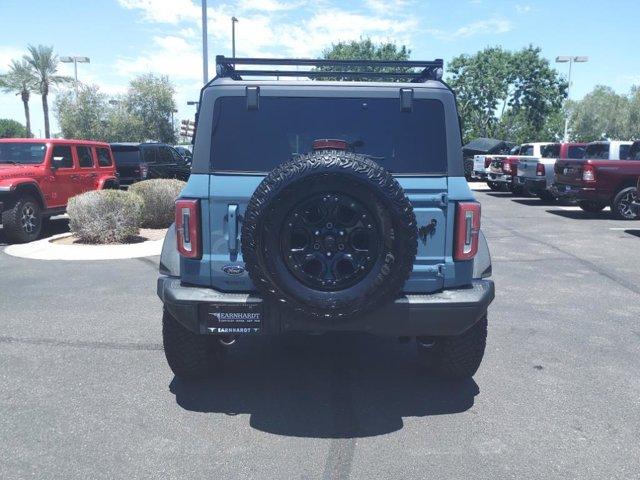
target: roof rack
423 70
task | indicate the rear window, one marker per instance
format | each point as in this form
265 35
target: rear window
624 151
526 150
126 154
550 151
285 127
634 153
575 151
597 151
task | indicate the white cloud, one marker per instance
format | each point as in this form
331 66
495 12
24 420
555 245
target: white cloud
266 5
492 26
8 53
524 8
165 11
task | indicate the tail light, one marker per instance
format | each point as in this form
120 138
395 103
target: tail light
467 230
487 162
589 173
144 170
540 171
188 228
506 167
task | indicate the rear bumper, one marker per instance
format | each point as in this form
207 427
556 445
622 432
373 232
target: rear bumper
534 185
499 178
449 312
573 192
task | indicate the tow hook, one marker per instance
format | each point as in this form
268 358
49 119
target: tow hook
227 340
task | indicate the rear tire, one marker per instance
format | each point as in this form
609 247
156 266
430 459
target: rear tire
496 187
456 357
621 207
190 356
591 207
22 222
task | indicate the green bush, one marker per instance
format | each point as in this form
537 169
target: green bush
158 198
105 216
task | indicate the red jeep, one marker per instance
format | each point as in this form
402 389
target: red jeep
37 178
596 183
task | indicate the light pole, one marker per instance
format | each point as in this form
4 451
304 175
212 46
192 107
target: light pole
205 48
193 102
234 20
571 60
75 61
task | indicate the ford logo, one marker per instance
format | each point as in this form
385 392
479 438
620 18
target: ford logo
233 269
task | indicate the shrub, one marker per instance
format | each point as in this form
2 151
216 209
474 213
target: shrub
105 216
158 198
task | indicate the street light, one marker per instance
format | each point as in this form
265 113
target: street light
234 20
193 102
75 61
570 60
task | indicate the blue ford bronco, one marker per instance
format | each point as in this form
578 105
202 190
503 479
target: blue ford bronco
324 206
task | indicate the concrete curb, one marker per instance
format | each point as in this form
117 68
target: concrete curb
45 250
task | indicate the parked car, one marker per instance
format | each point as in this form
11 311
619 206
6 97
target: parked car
185 151
481 164
142 161
37 178
536 175
326 206
598 183
483 146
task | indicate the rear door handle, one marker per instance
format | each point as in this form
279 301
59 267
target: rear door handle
232 218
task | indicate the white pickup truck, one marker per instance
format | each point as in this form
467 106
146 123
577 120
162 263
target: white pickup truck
500 170
536 175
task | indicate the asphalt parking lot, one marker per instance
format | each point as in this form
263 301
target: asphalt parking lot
86 393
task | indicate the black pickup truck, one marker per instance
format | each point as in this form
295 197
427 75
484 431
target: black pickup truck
142 161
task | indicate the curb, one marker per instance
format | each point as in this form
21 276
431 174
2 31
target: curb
45 250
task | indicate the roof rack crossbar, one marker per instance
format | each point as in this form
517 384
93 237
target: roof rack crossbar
428 70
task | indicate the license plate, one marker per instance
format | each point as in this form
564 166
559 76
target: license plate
567 188
567 171
231 319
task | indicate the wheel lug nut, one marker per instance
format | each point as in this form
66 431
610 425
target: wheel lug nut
341 246
317 232
342 233
328 254
329 225
316 246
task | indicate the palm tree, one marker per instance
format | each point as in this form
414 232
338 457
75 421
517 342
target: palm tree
45 65
22 80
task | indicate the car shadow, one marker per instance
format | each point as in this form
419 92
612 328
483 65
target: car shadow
533 202
329 386
634 232
500 194
581 214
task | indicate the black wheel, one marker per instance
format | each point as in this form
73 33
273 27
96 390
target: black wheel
22 222
622 204
547 196
495 186
517 189
330 234
454 357
591 207
190 356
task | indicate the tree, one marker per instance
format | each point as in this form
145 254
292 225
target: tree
510 95
150 101
364 49
11 129
45 66
21 80
84 117
601 114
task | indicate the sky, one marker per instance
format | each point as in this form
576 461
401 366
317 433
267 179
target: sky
125 38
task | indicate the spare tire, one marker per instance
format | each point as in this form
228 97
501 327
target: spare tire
330 234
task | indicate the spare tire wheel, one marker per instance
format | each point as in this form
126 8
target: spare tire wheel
330 234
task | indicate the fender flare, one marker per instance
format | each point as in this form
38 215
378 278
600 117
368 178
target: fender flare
170 258
104 180
15 184
482 260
